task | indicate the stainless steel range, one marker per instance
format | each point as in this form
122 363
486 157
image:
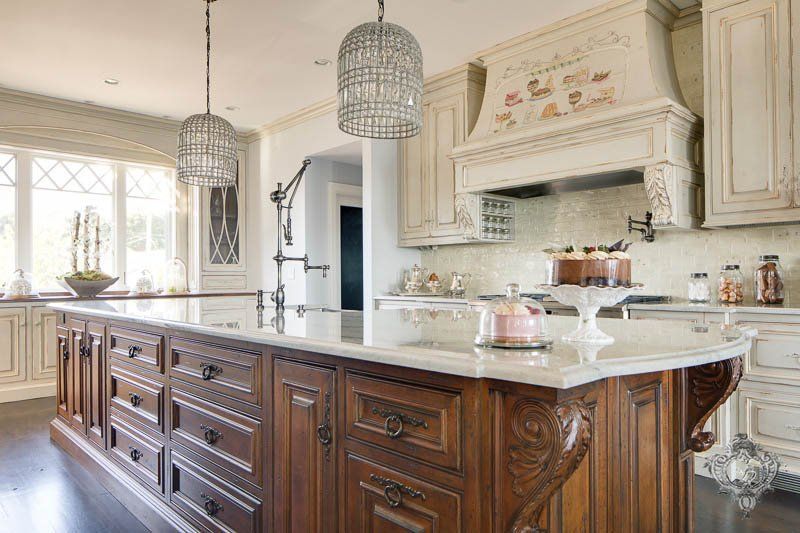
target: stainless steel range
555 308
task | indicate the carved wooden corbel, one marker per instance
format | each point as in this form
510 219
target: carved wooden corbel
660 187
549 442
707 388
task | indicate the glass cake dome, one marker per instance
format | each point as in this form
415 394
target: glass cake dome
513 322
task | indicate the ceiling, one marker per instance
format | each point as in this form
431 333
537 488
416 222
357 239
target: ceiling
263 50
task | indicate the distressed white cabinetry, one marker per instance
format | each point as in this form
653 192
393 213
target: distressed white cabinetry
751 175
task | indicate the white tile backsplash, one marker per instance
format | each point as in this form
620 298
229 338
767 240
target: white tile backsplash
599 216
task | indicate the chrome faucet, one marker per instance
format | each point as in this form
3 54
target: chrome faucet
278 197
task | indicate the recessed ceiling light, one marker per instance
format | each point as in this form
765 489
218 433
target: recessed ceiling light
232 108
322 62
111 81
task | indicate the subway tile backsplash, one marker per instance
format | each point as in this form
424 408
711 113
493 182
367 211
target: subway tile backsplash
599 216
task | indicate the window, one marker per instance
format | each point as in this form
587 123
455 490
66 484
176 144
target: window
8 182
136 205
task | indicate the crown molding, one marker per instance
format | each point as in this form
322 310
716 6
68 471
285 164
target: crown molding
292 119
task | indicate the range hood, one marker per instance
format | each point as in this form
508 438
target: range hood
588 102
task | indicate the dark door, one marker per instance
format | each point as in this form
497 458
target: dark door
352 246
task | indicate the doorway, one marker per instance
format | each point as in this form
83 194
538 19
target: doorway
351 255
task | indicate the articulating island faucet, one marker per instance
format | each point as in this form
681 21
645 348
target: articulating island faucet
285 234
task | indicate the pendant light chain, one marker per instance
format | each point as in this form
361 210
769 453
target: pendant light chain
208 57
380 10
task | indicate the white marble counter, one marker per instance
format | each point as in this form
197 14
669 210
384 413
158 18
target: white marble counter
439 341
786 308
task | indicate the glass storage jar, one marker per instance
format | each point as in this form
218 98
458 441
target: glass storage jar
20 286
768 280
176 277
513 322
698 290
144 284
730 287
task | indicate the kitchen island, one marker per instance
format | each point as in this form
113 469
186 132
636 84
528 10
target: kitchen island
328 421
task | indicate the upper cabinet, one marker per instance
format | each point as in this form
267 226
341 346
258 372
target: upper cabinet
427 195
750 170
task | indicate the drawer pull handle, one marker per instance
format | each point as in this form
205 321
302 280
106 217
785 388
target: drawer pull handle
793 428
394 422
134 350
393 490
135 454
136 400
795 356
64 352
210 370
84 351
212 506
324 433
210 434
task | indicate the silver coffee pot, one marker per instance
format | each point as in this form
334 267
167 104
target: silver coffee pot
458 287
414 278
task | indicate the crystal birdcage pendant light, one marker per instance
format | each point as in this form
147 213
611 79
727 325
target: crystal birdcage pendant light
206 142
380 81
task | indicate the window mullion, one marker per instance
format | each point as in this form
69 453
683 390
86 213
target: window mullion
120 217
24 212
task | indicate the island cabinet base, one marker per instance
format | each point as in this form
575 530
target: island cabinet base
203 433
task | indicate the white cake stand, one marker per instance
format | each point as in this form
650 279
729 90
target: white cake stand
588 301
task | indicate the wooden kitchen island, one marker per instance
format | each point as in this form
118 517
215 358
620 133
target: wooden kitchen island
369 422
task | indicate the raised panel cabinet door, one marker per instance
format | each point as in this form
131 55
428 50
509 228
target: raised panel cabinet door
64 374
750 108
77 408
94 362
44 343
413 209
12 344
304 448
446 131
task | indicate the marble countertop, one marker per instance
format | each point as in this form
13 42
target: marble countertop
438 341
748 306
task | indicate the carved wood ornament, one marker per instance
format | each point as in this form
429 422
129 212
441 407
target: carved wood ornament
551 442
658 183
709 386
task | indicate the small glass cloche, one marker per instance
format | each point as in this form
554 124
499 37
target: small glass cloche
19 286
144 284
175 277
513 322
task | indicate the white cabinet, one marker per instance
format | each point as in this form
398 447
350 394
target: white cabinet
44 350
770 414
12 344
750 174
427 185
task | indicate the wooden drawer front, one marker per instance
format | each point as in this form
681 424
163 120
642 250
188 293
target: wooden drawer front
373 493
775 353
142 349
138 453
772 420
225 437
418 422
212 502
140 398
234 373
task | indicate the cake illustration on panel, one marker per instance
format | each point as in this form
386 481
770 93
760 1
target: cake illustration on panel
592 266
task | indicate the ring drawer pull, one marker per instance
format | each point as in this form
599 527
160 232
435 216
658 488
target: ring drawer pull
211 505
210 434
393 490
136 400
394 422
64 351
135 454
324 432
134 350
210 370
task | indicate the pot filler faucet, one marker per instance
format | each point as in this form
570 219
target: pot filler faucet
278 197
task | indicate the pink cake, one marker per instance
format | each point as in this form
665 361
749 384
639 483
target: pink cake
512 321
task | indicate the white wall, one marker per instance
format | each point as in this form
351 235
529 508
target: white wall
322 172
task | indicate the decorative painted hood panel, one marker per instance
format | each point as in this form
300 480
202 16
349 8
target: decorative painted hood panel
591 96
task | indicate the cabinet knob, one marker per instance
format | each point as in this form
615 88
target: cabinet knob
210 371
135 454
136 400
210 434
393 490
211 505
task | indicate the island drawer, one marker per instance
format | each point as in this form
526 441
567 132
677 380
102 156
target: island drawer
212 502
137 397
419 422
141 455
382 499
232 372
145 350
223 436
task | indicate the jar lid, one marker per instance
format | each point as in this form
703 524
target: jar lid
699 275
730 267
768 257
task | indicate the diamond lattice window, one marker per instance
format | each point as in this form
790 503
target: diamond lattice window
148 183
8 182
8 170
72 176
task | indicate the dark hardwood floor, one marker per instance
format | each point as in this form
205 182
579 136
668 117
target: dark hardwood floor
41 490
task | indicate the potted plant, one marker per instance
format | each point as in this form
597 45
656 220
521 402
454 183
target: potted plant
91 280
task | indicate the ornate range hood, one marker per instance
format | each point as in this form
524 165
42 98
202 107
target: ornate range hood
590 101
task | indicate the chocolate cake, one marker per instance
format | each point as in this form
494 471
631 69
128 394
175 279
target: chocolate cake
589 268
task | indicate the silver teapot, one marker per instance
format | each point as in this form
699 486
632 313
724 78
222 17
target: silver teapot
458 287
414 278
